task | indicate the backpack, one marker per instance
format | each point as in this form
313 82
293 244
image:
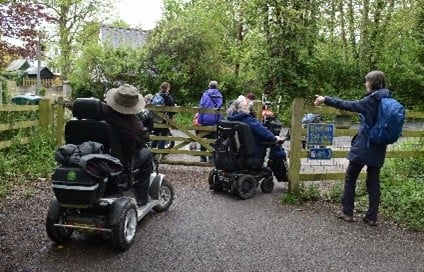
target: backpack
390 119
158 99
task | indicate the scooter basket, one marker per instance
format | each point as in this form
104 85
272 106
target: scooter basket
74 186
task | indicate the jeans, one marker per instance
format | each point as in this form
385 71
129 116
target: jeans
373 189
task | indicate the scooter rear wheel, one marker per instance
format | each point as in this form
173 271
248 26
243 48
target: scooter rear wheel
58 235
123 232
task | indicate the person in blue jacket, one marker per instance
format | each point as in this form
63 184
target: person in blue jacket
240 110
211 98
362 152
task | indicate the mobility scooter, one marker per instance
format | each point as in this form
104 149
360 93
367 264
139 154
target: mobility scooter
235 171
96 194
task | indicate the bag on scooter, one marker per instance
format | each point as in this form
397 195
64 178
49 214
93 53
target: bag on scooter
74 186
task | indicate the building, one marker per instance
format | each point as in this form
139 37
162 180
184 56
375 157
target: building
118 36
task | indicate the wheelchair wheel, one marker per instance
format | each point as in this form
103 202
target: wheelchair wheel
214 183
57 234
166 195
267 185
246 186
123 233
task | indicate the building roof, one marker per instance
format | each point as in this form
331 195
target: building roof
118 36
44 72
19 64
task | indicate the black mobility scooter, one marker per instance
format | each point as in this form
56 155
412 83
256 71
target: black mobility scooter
235 171
95 194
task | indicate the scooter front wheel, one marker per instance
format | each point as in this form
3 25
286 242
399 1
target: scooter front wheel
166 196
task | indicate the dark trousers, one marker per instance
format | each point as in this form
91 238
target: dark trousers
373 189
143 160
159 132
210 135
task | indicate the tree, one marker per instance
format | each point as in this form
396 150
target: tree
70 17
19 21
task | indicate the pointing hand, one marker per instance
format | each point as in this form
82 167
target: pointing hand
319 100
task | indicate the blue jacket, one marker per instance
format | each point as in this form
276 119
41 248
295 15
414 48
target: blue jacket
211 98
363 151
260 133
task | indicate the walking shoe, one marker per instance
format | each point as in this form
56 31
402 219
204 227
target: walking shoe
372 223
344 217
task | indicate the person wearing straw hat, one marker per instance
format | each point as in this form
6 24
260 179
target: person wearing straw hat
120 110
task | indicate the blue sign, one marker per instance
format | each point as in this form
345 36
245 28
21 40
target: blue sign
320 134
320 153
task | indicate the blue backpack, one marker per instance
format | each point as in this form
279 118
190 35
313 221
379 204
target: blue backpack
158 99
390 119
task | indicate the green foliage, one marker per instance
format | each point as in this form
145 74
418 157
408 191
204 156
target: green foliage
20 164
402 200
334 192
310 192
290 198
184 118
402 190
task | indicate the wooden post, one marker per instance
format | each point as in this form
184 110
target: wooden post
44 111
257 109
295 145
60 121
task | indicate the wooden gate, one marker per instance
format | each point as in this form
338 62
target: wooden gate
189 134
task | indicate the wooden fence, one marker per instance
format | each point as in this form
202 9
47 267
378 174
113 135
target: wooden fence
52 116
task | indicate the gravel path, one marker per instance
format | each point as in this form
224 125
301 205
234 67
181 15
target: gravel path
207 231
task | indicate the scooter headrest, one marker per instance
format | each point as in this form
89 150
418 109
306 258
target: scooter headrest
87 108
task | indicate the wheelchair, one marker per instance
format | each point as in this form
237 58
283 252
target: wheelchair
99 197
236 172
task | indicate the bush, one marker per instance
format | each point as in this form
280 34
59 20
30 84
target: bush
402 191
21 164
334 192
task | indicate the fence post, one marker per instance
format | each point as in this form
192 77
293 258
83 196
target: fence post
60 121
44 111
257 109
295 145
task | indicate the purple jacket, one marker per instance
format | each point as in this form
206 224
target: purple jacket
211 98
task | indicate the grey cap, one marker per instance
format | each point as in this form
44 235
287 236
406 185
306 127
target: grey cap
213 84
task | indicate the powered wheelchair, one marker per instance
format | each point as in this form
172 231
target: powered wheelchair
236 171
94 193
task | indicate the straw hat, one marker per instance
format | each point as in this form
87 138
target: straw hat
125 99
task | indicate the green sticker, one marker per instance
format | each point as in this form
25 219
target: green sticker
71 175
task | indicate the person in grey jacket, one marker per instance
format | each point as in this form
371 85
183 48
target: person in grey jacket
362 152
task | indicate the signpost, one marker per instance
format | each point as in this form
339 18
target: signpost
320 153
320 135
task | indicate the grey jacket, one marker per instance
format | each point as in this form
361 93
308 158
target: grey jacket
362 151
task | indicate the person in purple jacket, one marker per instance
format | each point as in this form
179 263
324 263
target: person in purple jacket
211 98
362 152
